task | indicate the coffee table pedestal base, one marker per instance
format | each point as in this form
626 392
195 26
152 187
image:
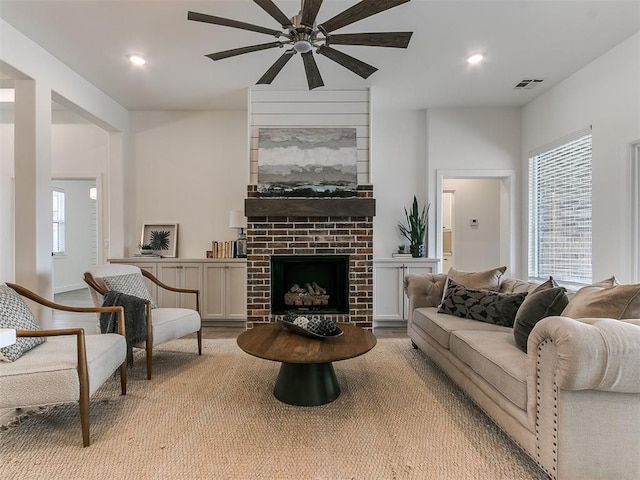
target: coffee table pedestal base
306 384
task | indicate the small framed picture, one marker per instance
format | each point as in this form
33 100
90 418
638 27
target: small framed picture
163 238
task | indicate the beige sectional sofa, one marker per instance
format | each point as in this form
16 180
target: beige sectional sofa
572 402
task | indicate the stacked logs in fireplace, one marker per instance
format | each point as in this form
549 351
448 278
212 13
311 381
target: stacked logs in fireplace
311 294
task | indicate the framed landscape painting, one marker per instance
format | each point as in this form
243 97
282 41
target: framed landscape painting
163 238
307 162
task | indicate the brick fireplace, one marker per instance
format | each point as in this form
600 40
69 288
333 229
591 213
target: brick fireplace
323 227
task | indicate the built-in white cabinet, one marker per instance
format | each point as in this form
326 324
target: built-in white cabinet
224 291
222 284
390 305
179 275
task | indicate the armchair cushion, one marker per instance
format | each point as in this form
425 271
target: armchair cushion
48 374
131 284
14 313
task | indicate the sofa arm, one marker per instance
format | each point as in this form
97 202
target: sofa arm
423 290
592 353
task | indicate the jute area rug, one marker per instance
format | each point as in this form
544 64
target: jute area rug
214 417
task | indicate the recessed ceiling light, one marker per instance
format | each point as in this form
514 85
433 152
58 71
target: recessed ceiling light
475 58
137 59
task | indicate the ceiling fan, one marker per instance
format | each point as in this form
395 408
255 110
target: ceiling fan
303 35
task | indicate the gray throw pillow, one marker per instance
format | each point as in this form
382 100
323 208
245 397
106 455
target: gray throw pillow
15 314
131 284
538 305
481 305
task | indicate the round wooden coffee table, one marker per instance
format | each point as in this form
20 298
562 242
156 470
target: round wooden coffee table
306 376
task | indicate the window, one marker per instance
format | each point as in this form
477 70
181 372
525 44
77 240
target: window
58 222
560 212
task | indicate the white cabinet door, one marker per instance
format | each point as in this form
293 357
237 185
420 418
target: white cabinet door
213 286
387 294
179 275
236 291
389 300
225 286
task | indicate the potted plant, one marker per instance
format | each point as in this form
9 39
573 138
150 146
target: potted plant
416 228
145 249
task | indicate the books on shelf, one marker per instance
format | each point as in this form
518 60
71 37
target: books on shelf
222 249
401 255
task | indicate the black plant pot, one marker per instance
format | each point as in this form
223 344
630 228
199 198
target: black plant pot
417 251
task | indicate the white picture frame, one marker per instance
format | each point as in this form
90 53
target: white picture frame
163 238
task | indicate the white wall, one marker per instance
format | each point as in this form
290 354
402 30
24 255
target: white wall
475 247
475 139
398 144
606 95
6 196
80 232
191 168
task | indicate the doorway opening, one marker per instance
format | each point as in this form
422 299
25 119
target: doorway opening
80 233
474 219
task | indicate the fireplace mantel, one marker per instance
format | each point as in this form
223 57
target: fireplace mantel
310 207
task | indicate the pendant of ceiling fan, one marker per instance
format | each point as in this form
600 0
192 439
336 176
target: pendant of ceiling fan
303 35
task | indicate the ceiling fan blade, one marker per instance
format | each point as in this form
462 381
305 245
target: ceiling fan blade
387 39
361 10
314 79
273 10
226 22
239 51
310 10
278 65
356 66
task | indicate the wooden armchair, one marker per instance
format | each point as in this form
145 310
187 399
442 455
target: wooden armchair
163 324
69 367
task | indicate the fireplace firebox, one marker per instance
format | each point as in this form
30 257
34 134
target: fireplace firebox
309 283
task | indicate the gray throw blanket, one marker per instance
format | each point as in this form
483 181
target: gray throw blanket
135 322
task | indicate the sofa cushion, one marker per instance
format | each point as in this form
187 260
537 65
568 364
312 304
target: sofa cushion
131 284
482 305
15 314
594 301
538 305
495 357
440 325
487 280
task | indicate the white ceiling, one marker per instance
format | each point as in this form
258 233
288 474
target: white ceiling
548 39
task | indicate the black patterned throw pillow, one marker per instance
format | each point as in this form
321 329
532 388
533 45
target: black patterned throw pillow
482 305
15 314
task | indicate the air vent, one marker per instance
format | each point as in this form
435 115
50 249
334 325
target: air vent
528 83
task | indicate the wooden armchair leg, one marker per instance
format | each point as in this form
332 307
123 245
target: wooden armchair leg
200 341
123 377
149 359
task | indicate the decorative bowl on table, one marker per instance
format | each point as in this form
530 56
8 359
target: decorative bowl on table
314 328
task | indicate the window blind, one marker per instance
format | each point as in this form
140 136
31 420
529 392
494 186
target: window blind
560 232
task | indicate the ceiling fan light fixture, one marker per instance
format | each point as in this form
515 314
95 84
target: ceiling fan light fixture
475 58
302 46
137 59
